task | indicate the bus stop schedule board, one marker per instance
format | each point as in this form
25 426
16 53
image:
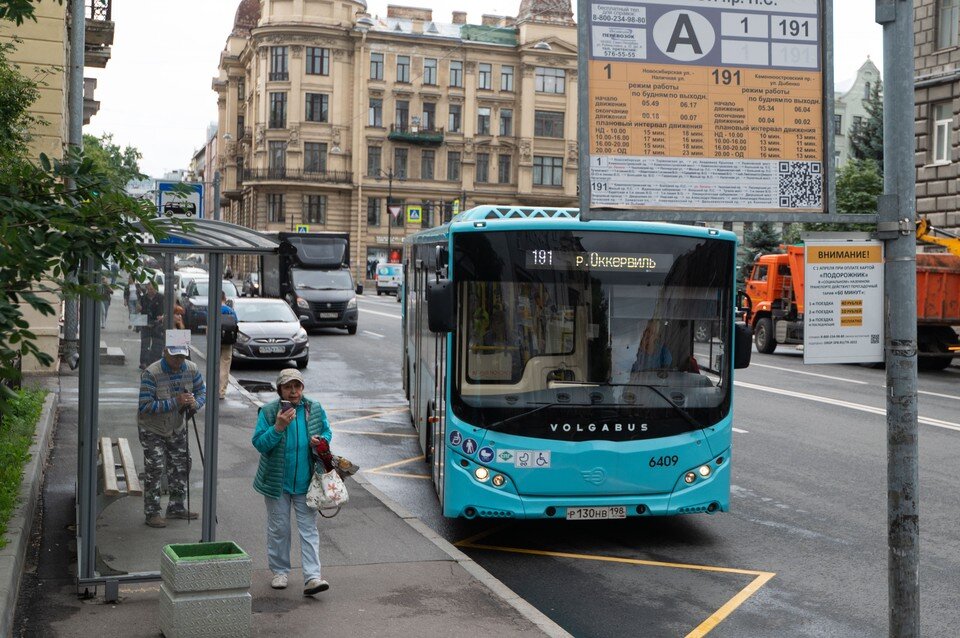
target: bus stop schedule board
706 105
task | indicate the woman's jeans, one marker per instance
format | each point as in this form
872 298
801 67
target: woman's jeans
278 535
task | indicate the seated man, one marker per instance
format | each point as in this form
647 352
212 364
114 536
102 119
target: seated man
652 353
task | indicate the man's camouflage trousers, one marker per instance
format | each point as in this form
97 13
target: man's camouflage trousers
170 452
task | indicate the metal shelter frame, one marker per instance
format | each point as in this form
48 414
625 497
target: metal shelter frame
215 239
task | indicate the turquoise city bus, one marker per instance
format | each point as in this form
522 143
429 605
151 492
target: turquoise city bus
559 368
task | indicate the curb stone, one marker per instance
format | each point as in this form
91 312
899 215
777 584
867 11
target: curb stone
13 556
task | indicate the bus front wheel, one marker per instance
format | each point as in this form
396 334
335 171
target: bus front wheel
763 336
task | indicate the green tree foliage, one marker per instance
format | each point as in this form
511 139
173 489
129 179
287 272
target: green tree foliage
859 185
55 215
866 136
17 11
122 165
761 239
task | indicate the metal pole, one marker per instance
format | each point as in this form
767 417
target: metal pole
89 386
897 217
78 25
211 415
389 212
216 195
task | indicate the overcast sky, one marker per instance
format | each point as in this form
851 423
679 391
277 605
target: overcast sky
155 93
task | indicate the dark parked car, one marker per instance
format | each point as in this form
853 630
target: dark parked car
251 285
195 301
269 331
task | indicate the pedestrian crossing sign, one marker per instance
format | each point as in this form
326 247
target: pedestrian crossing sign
414 214
303 228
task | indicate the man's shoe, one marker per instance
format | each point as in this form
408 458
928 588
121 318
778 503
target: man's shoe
155 520
182 514
315 586
279 581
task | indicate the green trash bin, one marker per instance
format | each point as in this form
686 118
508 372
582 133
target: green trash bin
205 590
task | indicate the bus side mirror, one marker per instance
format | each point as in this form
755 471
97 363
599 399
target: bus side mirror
742 345
441 306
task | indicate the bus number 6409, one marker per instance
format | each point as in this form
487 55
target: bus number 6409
664 461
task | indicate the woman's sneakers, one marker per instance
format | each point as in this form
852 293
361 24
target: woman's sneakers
279 581
315 586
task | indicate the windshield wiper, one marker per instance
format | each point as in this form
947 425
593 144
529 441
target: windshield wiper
515 417
683 413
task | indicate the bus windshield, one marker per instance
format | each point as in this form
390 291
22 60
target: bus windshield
592 335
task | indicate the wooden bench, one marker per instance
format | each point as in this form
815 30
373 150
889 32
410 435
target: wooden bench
117 476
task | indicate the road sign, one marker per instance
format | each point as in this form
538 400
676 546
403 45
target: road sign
303 228
843 302
394 210
703 105
173 204
414 214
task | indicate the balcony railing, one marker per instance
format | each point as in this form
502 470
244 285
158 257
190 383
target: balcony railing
296 175
413 134
99 10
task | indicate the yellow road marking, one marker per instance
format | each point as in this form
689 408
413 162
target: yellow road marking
401 475
703 628
373 409
394 464
369 416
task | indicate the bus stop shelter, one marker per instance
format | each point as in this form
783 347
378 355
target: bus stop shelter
112 539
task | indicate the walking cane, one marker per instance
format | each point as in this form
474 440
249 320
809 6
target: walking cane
196 432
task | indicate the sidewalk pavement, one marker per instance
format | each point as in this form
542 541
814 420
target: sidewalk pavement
389 574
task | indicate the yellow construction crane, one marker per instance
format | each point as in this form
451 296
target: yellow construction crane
930 235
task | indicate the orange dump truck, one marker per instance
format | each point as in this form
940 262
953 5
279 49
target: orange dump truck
773 301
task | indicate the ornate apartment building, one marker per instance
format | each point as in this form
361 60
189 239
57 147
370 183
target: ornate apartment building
937 91
326 113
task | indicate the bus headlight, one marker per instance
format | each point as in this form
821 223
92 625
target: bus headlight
482 474
689 477
704 471
498 480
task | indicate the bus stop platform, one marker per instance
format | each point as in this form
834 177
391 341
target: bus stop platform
389 574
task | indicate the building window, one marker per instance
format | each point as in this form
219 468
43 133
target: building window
547 171
315 209
318 107
942 126
485 76
430 71
314 157
278 110
402 114
455 124
318 61
376 112
453 166
427 161
837 124
277 159
403 68
275 208
278 63
548 124
241 89
549 80
376 66
866 90
506 78
483 120
400 163
373 211
506 122
374 154
240 126
482 175
456 73
503 169
948 22
429 120
857 121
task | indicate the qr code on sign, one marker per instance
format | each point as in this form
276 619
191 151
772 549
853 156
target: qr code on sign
874 338
801 184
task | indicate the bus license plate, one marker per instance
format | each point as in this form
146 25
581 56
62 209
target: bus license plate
328 315
271 349
596 513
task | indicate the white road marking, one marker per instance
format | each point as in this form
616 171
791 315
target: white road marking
739 431
809 374
373 334
937 394
382 314
845 404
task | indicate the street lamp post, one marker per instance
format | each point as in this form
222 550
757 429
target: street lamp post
389 175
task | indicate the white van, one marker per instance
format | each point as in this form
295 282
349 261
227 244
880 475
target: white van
389 278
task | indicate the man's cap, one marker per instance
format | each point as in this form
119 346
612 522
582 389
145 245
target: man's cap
287 375
175 351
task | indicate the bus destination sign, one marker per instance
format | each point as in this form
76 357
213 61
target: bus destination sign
705 105
544 259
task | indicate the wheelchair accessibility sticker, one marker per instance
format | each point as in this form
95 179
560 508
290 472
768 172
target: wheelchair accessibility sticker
529 459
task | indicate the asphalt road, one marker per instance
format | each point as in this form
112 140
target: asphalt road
803 551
